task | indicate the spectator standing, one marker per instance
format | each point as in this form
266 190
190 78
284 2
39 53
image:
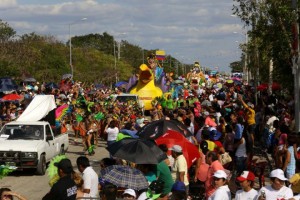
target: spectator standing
112 131
179 169
90 177
277 189
222 191
214 165
246 180
65 188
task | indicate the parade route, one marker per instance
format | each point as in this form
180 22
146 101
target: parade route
34 187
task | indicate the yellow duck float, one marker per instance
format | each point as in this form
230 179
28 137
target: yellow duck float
145 88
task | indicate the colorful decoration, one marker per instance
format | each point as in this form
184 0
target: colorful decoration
99 116
145 87
160 55
52 170
61 111
5 170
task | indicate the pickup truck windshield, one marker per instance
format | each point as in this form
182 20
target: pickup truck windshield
23 132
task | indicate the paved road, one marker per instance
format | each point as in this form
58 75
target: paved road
34 187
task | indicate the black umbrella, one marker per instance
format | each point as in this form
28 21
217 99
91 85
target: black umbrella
139 151
157 128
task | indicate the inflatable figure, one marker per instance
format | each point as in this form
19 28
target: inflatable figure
196 76
145 87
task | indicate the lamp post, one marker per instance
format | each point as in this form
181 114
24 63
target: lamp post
119 52
245 68
70 43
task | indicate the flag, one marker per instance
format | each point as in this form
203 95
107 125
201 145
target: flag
160 55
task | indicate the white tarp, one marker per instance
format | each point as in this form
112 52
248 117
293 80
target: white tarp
38 108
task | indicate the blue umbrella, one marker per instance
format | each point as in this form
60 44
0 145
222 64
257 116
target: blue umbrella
119 84
52 85
7 85
125 177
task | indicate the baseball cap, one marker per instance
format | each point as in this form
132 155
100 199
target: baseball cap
131 192
246 175
178 186
65 165
214 134
176 148
204 146
220 174
278 173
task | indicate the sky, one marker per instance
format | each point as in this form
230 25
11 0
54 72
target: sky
189 30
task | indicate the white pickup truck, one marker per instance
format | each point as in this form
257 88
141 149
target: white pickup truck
30 145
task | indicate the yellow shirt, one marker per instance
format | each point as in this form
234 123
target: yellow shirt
211 145
250 116
295 181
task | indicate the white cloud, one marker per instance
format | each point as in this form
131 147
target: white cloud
7 4
194 29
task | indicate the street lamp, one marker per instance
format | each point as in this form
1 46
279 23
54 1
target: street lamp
70 43
119 52
245 68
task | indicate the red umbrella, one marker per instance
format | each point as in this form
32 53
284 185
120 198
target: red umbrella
190 151
264 86
12 97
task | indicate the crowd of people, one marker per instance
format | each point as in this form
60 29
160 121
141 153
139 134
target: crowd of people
227 124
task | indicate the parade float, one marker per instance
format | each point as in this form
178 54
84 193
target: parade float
145 87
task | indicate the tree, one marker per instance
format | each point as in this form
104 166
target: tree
6 32
270 37
236 66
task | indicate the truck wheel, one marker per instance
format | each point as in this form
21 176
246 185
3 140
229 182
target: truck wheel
62 150
41 168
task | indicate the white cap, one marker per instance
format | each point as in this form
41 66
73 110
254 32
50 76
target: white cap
131 192
278 173
176 148
205 113
220 174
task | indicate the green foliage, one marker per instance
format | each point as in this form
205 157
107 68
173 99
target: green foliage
236 66
270 37
6 32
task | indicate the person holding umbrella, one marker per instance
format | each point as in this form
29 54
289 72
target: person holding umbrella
179 169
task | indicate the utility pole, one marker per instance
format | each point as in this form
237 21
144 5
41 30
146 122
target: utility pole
296 63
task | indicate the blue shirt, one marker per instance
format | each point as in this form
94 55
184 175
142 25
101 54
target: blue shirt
238 131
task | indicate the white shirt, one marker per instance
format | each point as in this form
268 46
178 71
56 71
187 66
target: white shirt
221 193
243 195
112 133
271 194
180 165
90 181
241 150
